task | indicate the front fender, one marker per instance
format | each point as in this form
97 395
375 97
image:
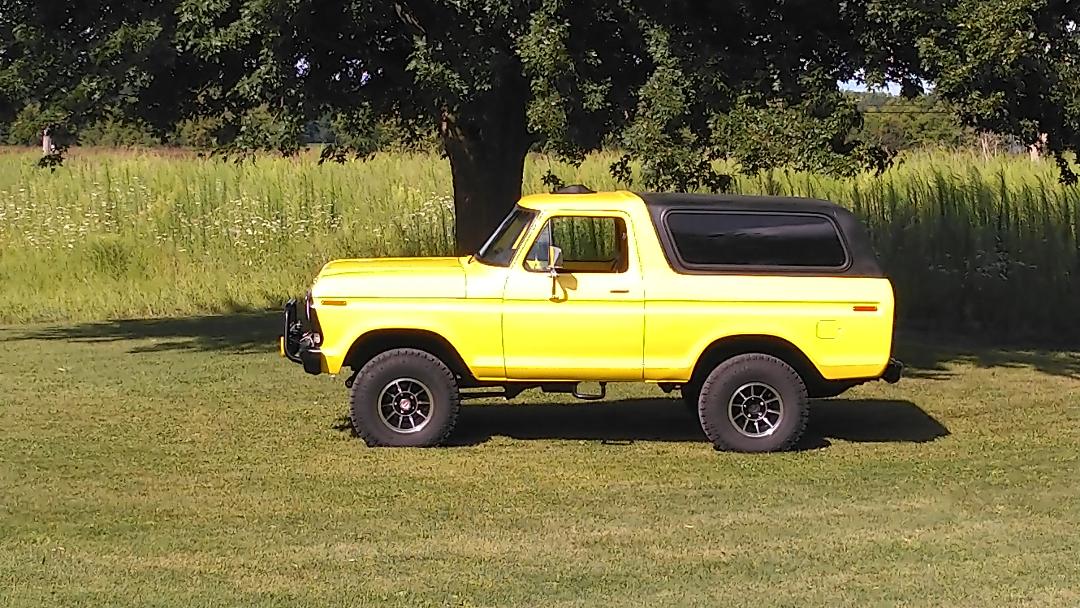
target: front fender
471 327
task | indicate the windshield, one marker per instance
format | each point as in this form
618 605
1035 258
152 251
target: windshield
500 248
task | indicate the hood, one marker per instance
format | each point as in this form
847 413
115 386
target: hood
391 278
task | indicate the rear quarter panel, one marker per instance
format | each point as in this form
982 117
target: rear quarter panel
684 314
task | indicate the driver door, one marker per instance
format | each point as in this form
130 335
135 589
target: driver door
585 320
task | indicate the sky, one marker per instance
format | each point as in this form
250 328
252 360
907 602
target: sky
860 87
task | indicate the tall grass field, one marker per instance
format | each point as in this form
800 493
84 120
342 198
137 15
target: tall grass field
972 244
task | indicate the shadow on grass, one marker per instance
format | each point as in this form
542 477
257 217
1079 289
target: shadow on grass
668 420
240 332
931 357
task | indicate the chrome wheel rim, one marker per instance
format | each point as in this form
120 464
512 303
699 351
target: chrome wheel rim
756 409
406 405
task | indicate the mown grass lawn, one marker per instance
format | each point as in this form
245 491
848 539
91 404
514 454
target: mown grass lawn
182 463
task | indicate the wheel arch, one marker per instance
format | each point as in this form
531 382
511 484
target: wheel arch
722 349
368 345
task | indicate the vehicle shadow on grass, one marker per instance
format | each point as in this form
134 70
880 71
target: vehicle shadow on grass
243 332
856 420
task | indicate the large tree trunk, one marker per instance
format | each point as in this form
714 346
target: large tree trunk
487 160
487 182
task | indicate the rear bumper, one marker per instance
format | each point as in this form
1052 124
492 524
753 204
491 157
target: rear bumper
301 339
893 371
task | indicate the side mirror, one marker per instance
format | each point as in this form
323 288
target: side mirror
554 259
554 265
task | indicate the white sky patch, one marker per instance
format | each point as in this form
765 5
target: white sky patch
858 86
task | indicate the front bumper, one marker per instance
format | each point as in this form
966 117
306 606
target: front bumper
301 340
893 370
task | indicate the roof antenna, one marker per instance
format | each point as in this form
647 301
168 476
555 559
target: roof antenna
573 189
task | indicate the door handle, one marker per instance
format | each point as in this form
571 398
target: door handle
620 291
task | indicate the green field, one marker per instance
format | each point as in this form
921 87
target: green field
114 234
170 458
182 463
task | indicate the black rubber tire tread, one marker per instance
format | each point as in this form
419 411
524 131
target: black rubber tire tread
728 376
395 363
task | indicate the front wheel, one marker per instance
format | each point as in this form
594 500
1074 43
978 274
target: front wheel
753 403
404 398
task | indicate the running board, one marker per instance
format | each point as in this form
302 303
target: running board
513 390
572 388
507 392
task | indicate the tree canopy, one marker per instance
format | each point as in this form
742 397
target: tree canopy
1010 66
674 84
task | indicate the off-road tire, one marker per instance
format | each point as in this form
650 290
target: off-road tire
727 378
384 369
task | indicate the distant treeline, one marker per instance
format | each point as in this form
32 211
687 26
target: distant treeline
893 122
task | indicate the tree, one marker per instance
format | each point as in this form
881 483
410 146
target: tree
676 84
1008 66
78 63
497 79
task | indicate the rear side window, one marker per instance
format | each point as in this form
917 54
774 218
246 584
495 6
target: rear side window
756 239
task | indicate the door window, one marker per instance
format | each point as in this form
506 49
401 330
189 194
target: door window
586 243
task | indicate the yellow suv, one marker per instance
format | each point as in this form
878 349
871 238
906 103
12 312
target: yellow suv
749 306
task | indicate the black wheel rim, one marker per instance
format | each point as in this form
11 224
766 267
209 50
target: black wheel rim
406 405
756 410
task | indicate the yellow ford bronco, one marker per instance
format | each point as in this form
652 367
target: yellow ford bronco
749 306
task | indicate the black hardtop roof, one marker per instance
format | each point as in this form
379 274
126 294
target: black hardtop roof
741 202
863 261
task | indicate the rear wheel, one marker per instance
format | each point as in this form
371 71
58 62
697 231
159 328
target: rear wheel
753 403
404 398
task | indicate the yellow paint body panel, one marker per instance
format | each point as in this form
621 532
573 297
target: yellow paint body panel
648 323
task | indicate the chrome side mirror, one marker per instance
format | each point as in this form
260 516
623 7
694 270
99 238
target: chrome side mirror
554 265
554 260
